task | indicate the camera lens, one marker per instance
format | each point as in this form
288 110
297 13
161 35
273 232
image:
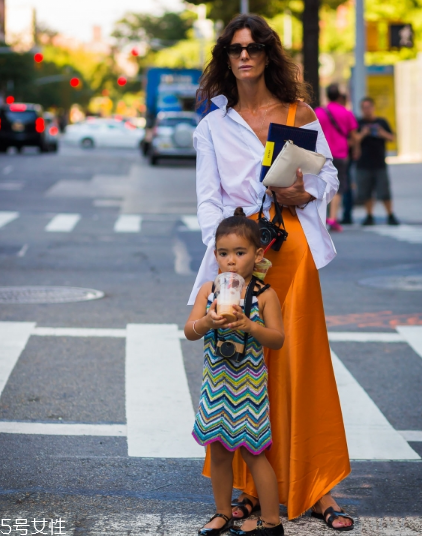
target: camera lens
265 236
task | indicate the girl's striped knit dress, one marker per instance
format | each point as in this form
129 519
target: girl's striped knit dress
234 406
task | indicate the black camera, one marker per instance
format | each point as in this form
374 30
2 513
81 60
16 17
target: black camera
229 350
271 234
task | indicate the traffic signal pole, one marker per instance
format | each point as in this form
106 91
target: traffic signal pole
2 21
359 72
244 7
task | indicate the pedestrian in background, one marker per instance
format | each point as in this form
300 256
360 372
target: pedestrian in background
372 175
340 128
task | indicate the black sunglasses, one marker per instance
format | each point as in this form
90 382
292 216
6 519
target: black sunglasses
253 49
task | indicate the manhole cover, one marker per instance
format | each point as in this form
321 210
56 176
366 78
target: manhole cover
47 294
394 282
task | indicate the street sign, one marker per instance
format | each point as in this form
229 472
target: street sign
400 35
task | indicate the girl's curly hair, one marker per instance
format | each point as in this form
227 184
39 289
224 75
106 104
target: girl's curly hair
282 76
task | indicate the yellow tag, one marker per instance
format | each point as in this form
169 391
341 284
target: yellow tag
268 154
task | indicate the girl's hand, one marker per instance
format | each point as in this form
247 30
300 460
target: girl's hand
215 321
242 323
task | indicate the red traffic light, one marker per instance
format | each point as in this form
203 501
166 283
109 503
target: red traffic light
134 52
74 82
38 57
122 81
10 99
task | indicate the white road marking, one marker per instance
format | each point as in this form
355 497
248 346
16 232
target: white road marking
413 336
23 250
361 336
404 233
73 429
11 186
412 435
13 339
7 217
63 223
128 223
7 170
159 409
369 435
182 258
191 223
79 332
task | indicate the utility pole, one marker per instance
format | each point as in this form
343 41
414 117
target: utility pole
359 71
244 7
2 21
310 24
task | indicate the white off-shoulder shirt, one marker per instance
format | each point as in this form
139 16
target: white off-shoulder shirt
229 156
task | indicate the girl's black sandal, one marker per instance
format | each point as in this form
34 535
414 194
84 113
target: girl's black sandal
260 530
216 532
241 505
334 514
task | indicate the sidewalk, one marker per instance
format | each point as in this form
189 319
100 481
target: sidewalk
406 183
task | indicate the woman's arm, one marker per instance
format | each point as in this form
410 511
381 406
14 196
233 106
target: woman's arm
272 334
208 183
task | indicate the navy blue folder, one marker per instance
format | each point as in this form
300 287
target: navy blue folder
277 137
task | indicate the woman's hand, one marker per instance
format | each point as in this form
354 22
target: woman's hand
242 322
293 195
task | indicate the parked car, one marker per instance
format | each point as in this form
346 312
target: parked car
98 132
22 125
51 131
172 136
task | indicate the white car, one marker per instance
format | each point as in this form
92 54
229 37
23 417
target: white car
104 133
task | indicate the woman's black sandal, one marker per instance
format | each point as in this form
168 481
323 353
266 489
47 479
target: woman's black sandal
241 505
334 514
260 530
216 532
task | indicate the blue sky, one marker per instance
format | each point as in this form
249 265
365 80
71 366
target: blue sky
76 17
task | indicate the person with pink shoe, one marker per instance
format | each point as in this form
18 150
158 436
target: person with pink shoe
340 128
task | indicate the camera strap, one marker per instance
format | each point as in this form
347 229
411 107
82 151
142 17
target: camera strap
278 218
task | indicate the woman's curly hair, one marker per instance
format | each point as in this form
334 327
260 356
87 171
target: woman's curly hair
282 76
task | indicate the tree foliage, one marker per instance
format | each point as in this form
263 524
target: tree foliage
168 28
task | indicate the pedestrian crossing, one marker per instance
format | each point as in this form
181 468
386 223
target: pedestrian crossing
404 233
159 410
70 222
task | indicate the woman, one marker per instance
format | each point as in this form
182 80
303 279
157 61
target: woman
252 82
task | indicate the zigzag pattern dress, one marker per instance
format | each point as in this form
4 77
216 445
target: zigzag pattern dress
234 407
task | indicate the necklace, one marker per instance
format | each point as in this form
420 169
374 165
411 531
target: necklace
263 120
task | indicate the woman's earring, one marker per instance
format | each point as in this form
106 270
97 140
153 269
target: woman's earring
266 65
229 66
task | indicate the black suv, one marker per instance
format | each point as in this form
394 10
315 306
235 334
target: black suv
20 125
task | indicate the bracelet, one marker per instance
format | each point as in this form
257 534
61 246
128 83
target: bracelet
306 204
193 327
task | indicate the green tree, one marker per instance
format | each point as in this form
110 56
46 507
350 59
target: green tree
162 31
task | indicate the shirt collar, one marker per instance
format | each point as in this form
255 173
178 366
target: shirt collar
220 101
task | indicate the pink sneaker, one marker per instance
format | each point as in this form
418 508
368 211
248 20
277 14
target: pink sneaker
334 225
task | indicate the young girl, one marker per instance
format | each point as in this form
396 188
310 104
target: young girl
234 408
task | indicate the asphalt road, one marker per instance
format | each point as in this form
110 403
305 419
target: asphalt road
98 396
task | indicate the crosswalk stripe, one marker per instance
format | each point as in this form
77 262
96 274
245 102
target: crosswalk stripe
404 233
369 435
159 410
72 429
7 217
191 223
128 223
63 223
13 339
412 435
79 332
364 336
413 336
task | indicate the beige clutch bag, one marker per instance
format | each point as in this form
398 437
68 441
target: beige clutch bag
282 172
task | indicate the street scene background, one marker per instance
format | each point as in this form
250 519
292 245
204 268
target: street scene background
100 245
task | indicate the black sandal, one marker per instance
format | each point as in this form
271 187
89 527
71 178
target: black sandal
242 506
334 514
260 530
216 532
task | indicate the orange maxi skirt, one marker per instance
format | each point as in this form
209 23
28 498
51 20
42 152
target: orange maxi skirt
309 453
